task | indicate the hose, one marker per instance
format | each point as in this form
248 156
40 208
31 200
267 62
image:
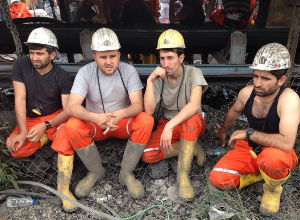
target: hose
93 211
23 192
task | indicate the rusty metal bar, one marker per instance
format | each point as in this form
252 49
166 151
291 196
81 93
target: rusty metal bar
293 36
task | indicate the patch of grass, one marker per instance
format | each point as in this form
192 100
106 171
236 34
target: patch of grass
9 167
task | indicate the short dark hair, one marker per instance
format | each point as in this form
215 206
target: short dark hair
40 47
179 51
279 73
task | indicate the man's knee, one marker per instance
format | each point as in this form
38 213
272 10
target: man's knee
142 128
151 157
74 125
193 127
145 119
275 158
223 180
79 133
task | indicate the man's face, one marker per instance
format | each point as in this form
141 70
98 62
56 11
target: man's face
107 61
41 58
170 61
265 83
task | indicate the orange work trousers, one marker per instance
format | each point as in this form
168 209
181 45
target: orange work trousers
57 134
189 130
274 162
138 129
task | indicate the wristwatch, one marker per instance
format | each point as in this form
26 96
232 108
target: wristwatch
249 131
48 125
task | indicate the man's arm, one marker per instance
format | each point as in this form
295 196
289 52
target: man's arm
210 8
149 97
37 131
101 16
289 111
20 109
172 16
75 109
186 112
233 113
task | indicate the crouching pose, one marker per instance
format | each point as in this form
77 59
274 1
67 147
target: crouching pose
114 105
273 113
41 94
178 90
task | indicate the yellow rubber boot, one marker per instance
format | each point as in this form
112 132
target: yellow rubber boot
131 157
186 191
174 152
44 140
199 153
270 201
249 179
65 167
90 157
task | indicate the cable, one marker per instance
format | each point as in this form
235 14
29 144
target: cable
23 192
93 211
168 217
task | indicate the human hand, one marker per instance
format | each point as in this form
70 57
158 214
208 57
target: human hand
36 132
237 135
112 124
165 139
158 72
220 133
19 15
13 140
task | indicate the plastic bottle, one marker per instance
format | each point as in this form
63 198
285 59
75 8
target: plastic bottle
19 202
225 93
220 151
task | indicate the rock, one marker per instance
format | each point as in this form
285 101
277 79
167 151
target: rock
159 182
158 170
119 201
175 208
107 187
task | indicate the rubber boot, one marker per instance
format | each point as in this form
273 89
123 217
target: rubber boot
249 179
90 157
131 157
44 140
174 152
65 167
270 201
198 152
186 191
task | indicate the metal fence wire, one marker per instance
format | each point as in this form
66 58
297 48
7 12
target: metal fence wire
159 179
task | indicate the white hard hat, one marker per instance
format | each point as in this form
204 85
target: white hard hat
105 39
272 56
42 36
12 1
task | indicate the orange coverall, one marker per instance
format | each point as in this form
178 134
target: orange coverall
56 134
274 162
138 129
189 130
15 10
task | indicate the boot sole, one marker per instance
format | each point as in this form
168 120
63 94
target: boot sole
71 210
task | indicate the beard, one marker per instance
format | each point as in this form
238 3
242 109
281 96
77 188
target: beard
264 93
41 65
